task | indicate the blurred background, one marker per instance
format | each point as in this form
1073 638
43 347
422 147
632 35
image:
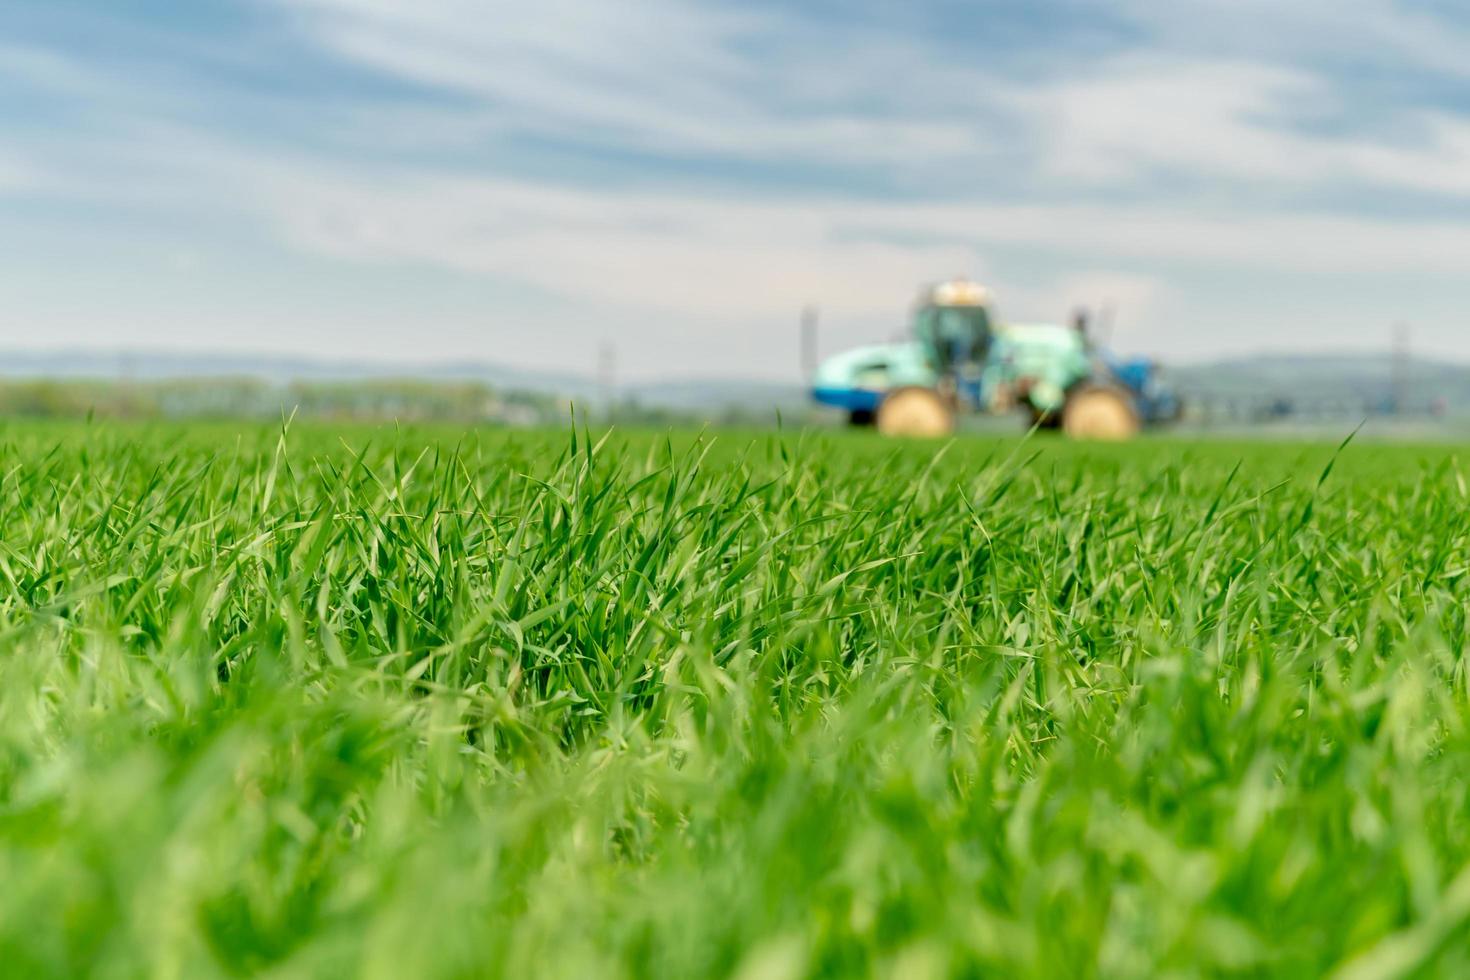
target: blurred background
676 210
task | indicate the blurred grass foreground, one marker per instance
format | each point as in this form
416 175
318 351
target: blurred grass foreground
401 703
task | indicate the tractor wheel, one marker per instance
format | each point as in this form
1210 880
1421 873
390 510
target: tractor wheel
915 411
1100 412
860 418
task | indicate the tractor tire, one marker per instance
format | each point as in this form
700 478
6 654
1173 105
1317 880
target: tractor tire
1100 412
860 418
917 412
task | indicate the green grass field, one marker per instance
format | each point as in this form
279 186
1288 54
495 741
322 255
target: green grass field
388 703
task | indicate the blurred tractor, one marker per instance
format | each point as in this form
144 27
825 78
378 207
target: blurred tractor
961 358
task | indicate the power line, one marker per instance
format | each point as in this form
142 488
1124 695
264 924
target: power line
1400 371
607 378
809 318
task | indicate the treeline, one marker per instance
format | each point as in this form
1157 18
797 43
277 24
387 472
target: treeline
365 400
243 398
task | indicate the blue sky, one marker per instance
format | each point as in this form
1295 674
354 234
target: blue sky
438 179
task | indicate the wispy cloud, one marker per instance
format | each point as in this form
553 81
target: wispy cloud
1141 120
675 77
675 251
1385 38
670 77
16 176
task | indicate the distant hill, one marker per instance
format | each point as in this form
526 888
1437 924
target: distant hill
1307 380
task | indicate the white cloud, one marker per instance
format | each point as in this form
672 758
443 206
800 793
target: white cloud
1441 165
1134 116
694 256
15 175
1134 119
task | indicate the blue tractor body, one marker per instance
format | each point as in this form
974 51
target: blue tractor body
971 361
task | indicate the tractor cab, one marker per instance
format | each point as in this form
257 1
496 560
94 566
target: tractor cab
953 325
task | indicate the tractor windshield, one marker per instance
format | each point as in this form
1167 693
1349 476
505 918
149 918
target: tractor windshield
954 334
